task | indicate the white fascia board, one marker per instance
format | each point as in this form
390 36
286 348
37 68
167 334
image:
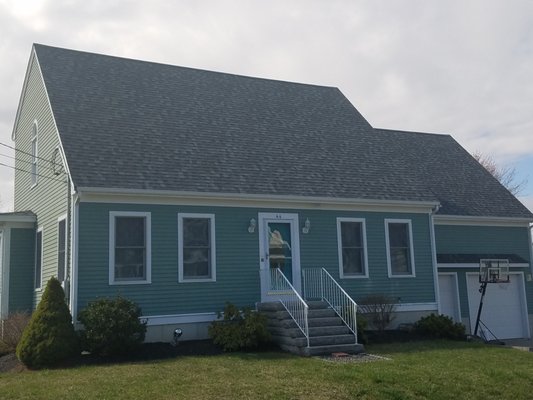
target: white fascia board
61 149
23 93
18 221
481 221
476 265
139 196
404 307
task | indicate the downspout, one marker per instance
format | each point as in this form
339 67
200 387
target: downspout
68 242
434 256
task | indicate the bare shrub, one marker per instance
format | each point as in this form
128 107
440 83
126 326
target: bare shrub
12 329
378 310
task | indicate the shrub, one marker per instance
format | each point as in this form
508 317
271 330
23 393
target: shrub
361 327
239 330
112 326
440 327
13 328
378 309
49 337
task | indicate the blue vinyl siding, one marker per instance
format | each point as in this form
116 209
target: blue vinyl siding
461 239
237 258
22 264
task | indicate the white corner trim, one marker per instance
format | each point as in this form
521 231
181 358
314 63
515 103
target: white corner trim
434 262
154 320
5 257
212 241
411 247
480 221
362 221
41 231
74 262
148 244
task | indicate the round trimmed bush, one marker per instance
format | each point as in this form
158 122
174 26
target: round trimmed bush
49 337
112 326
440 327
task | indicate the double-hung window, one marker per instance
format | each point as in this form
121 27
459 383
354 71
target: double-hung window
351 241
61 248
129 247
38 258
196 247
400 258
33 160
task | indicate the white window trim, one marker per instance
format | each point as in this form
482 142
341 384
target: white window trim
34 158
211 218
411 250
362 221
148 243
59 219
41 231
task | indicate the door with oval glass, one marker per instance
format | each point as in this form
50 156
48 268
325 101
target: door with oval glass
279 249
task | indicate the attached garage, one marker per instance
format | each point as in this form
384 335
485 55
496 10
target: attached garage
504 310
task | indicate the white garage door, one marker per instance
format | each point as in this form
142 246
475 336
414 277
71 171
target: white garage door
504 311
448 296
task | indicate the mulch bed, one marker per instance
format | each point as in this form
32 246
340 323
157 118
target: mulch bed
146 352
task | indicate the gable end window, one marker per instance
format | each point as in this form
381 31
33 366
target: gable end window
351 241
400 258
38 258
34 154
196 248
61 248
129 247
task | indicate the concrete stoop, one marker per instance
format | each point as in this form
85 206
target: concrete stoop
327 332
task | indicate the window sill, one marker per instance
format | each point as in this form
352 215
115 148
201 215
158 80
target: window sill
402 276
197 280
116 283
354 276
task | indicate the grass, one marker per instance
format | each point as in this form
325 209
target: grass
420 370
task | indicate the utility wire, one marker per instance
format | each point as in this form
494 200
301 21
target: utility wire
23 152
31 173
27 162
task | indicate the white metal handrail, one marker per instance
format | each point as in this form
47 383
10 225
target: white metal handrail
319 284
291 300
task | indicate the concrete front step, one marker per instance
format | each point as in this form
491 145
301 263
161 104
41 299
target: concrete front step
314 340
313 322
324 350
295 332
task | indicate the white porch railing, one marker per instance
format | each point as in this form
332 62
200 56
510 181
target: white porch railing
319 284
291 300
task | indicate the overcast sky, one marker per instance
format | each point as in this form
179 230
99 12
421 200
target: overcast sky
458 67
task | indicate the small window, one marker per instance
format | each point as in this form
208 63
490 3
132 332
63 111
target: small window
38 258
351 240
129 248
34 154
399 248
196 243
61 249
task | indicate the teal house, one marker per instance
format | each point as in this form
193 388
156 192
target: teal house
183 189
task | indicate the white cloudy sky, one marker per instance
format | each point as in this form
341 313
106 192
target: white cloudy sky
462 67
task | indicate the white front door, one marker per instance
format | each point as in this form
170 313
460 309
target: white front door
449 296
279 247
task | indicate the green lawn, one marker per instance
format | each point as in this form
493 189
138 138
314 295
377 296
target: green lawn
432 370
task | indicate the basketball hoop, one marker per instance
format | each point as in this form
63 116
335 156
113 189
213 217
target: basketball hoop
493 271
490 271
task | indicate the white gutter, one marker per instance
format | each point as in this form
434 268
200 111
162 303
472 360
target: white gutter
317 200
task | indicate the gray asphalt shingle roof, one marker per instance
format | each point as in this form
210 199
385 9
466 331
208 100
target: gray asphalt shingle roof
130 124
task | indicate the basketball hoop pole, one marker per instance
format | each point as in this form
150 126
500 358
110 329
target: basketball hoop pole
482 290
